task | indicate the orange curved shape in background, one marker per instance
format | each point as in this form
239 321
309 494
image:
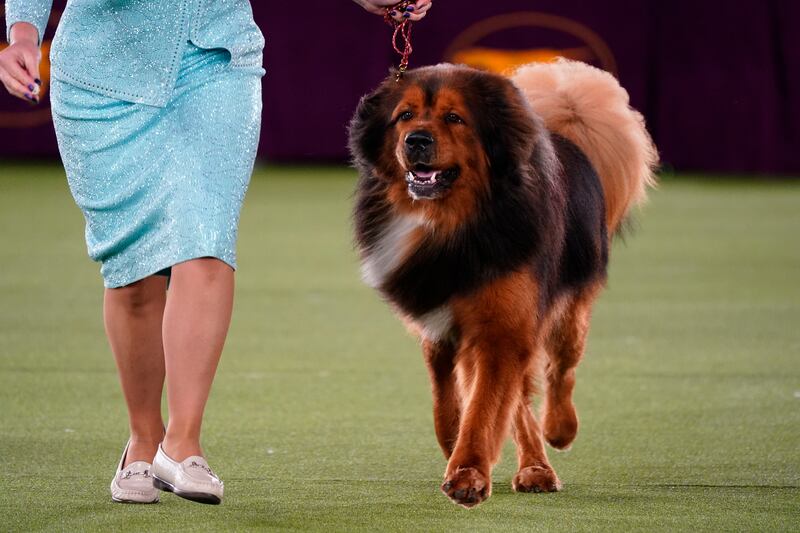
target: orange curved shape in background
505 61
465 47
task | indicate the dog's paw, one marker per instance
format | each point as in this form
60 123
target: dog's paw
536 479
561 426
467 487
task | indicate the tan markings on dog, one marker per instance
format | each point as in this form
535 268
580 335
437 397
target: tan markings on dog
565 345
413 100
534 473
497 347
456 145
440 361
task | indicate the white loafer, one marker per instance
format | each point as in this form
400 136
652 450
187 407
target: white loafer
191 479
133 484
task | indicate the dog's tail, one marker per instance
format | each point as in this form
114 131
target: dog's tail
589 107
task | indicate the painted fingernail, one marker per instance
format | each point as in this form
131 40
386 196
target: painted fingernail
410 8
38 81
393 13
30 87
406 15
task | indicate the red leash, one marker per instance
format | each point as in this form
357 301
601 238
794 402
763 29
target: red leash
403 31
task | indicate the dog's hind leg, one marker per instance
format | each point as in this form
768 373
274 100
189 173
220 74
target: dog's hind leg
439 358
535 473
565 346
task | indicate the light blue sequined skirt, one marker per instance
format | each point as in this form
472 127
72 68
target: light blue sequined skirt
159 186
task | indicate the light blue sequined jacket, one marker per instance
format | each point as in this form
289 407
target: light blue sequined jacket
131 49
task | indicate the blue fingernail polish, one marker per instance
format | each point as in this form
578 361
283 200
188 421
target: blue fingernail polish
38 81
406 15
29 96
410 8
393 13
30 87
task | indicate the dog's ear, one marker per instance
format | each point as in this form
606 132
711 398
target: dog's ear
505 122
370 124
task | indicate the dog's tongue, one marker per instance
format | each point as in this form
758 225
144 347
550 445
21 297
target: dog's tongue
426 175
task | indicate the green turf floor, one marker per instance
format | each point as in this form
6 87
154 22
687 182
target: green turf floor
320 418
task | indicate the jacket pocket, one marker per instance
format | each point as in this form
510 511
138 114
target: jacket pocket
230 25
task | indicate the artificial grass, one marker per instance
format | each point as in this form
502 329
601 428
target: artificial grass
319 419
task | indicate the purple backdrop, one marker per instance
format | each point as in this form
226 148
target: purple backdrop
719 83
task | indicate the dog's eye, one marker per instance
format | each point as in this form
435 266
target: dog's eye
406 116
452 118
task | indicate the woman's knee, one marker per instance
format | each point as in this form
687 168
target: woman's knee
204 269
140 295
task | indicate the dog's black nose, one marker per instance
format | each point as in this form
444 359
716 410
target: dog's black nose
419 140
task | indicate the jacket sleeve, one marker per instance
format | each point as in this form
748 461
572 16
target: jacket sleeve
35 12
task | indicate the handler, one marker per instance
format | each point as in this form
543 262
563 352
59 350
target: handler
157 111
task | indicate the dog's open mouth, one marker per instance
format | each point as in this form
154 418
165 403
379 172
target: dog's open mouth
426 183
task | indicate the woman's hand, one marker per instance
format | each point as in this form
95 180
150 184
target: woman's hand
415 11
19 63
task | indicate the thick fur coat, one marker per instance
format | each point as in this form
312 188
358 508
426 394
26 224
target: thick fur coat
484 213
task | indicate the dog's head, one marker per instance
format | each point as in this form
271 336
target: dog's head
443 137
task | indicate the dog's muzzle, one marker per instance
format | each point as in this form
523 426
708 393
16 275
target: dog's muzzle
424 183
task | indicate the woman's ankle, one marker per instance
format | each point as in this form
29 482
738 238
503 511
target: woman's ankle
141 450
148 433
179 448
144 441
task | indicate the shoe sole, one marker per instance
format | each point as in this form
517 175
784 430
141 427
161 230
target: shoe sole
199 497
134 502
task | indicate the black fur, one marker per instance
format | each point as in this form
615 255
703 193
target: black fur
584 256
553 224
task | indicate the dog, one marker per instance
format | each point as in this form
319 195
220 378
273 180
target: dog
483 215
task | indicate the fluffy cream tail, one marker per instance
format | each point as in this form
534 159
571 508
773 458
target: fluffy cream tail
590 108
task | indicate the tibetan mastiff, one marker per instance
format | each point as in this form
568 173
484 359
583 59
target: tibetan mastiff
483 215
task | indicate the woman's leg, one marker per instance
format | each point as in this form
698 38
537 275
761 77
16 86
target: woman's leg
196 320
133 317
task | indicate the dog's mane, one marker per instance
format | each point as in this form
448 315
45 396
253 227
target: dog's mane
518 224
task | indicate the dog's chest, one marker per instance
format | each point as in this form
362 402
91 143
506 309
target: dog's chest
391 248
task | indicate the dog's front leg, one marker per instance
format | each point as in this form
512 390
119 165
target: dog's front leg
440 360
497 370
497 330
